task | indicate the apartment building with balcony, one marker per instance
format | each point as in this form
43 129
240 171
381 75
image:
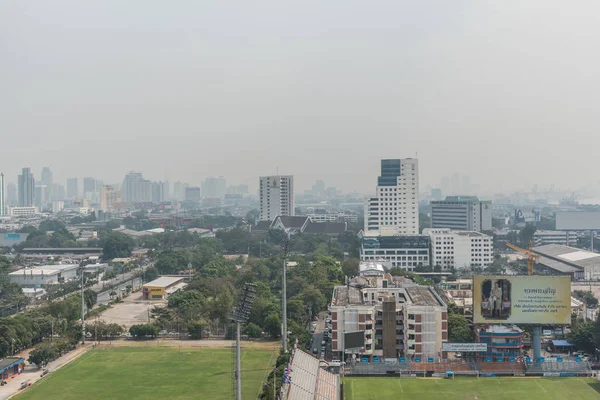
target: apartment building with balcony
501 340
419 313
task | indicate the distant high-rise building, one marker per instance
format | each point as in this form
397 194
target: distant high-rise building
72 187
179 191
26 188
192 194
463 213
237 189
455 184
89 185
12 198
436 194
40 199
109 196
276 196
214 187
395 207
160 191
58 192
136 189
2 196
47 178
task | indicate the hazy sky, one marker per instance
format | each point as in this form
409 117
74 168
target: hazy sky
504 91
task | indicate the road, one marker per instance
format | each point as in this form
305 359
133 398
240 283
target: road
104 297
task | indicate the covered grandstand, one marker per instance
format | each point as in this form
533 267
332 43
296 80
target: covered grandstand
307 381
487 367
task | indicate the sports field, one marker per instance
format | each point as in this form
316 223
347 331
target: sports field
153 373
472 388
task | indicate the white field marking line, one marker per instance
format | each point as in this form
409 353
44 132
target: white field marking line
588 386
541 387
266 375
437 382
400 385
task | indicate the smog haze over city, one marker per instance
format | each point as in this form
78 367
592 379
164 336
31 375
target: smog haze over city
504 92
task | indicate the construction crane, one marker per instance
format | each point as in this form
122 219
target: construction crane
531 256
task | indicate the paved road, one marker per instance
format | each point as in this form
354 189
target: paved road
104 297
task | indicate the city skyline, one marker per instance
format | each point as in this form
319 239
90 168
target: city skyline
442 90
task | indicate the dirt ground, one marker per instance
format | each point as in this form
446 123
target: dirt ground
132 311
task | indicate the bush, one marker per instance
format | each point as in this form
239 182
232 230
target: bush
144 331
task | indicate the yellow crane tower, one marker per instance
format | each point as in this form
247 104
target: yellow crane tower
531 256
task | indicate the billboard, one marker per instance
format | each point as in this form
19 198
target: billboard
577 221
465 347
522 300
354 340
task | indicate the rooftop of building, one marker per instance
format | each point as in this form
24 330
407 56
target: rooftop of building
371 267
165 281
566 259
504 329
345 296
423 296
460 199
46 269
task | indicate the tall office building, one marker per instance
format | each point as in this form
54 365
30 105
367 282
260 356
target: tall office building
179 191
192 194
12 198
47 179
214 187
26 188
109 196
58 192
72 187
136 188
276 196
463 213
395 207
160 192
2 196
89 185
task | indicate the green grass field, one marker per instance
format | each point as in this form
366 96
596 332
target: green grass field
472 388
153 373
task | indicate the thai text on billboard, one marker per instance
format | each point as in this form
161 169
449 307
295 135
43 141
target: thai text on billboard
522 300
465 347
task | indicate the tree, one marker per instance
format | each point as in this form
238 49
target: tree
195 330
143 331
252 330
350 267
273 325
526 235
587 297
459 330
150 273
583 336
117 244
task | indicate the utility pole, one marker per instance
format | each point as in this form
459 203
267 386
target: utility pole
284 343
82 304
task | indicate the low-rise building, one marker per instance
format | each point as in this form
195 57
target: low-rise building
370 269
333 217
460 249
542 237
44 275
501 340
404 251
162 287
22 211
407 320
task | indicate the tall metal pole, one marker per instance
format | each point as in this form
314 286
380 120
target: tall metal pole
82 307
238 363
284 301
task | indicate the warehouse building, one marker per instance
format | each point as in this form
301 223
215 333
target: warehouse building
565 260
162 287
44 275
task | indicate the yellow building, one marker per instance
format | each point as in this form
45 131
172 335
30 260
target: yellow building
162 287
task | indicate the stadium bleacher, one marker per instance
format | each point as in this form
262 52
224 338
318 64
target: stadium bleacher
308 381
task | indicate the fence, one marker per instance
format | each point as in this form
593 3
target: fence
472 367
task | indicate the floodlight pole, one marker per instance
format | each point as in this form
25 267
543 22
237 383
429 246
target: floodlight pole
238 363
284 342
